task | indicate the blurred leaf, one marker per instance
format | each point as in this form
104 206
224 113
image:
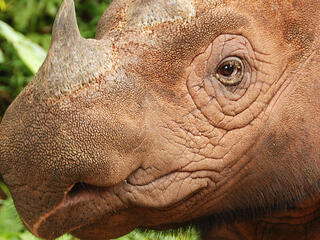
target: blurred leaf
4 188
10 223
31 54
3 5
67 237
189 233
28 236
2 58
44 39
26 9
52 7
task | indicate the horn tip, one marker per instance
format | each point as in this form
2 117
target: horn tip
65 25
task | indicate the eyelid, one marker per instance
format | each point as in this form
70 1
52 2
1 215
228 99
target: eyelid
228 46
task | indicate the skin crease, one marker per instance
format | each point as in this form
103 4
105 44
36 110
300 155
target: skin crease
132 129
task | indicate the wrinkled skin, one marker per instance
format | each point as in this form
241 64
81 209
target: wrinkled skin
134 129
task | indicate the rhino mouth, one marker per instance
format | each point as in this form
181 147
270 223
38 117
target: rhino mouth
84 205
74 212
82 190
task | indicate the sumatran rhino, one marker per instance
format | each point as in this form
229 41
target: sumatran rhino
179 112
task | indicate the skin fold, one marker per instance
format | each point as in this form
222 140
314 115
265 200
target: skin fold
139 127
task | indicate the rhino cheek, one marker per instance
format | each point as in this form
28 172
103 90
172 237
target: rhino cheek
285 160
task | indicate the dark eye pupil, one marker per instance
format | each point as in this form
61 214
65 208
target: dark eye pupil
227 69
230 71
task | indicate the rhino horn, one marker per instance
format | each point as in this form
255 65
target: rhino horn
65 28
72 60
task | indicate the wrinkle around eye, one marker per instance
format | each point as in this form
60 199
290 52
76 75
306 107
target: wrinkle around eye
227 107
213 99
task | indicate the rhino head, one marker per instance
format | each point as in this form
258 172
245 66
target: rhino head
179 111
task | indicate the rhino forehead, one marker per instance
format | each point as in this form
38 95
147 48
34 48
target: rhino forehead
148 13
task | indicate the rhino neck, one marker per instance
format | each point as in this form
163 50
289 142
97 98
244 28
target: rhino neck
299 222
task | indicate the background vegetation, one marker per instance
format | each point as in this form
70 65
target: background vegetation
25 35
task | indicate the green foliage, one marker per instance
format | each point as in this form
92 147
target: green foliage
30 53
180 234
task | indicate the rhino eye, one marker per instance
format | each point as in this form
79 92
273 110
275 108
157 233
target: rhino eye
230 71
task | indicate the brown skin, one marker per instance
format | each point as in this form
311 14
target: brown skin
134 129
